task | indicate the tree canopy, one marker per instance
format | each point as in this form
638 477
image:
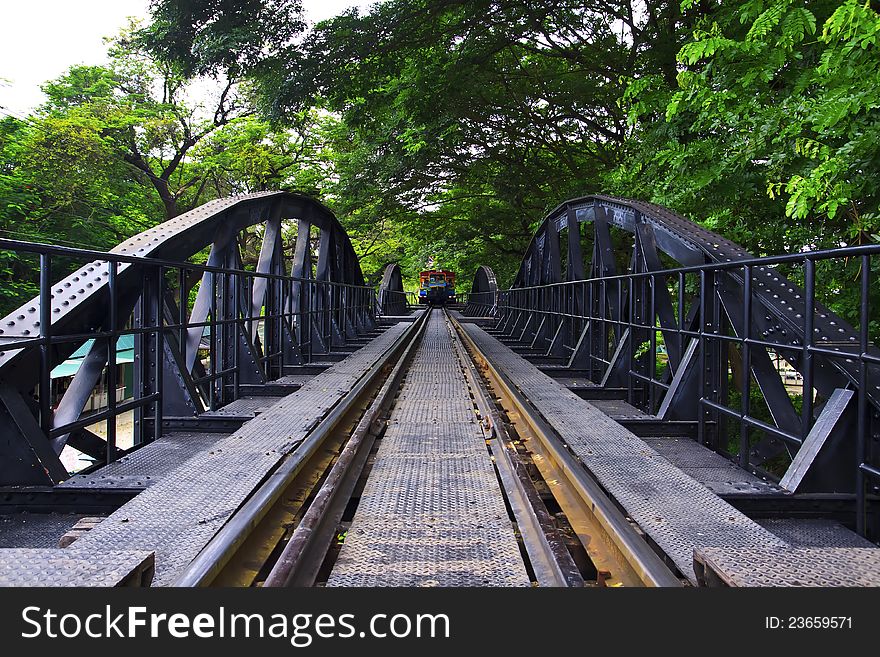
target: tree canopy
448 128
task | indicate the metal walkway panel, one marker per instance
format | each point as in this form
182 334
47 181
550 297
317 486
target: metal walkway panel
761 567
731 480
35 530
420 389
814 532
432 512
179 515
619 409
439 371
149 464
718 474
687 453
575 382
74 567
674 509
245 406
435 489
413 316
448 439
377 554
438 413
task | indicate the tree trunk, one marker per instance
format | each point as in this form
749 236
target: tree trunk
169 201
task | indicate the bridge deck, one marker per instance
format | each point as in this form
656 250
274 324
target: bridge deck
432 512
178 515
718 474
674 509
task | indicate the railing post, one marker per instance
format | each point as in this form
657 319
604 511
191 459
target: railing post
236 334
212 348
746 383
630 352
809 310
863 424
160 352
702 412
652 358
45 387
111 361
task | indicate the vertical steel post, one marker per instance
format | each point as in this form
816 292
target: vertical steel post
111 361
182 308
862 429
701 416
652 359
212 346
631 351
680 336
160 352
809 310
45 387
744 446
236 331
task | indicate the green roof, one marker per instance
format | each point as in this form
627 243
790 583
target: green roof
124 354
124 343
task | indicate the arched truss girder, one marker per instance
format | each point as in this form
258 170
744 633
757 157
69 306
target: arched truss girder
776 308
314 304
392 298
483 298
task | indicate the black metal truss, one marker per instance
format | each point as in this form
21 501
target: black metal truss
253 324
483 298
720 312
392 298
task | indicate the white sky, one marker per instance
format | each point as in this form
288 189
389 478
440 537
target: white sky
40 39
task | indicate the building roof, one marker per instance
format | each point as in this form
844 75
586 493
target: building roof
124 354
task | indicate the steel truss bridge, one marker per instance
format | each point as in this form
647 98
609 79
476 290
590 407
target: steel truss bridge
223 400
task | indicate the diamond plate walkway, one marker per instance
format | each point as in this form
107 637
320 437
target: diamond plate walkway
677 512
828 567
74 567
177 516
432 512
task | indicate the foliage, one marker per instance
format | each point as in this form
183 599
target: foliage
59 184
465 121
207 37
117 149
771 128
446 129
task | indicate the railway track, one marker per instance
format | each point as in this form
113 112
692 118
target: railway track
431 473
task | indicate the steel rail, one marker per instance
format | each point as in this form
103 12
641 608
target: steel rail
641 558
301 558
550 559
220 550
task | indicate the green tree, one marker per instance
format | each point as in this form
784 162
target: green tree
770 129
250 154
467 120
117 149
139 106
60 183
232 37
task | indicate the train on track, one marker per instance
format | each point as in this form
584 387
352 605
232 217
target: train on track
436 287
